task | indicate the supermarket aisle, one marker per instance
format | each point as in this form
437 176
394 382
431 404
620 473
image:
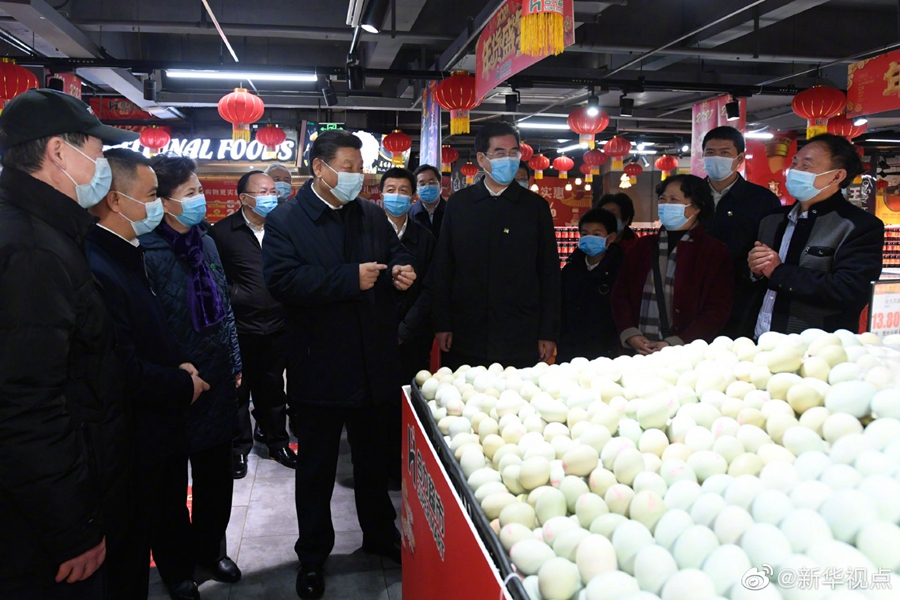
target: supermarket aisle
261 538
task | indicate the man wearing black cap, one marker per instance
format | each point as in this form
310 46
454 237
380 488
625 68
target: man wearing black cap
63 452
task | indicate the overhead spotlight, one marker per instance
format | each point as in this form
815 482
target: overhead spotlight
860 121
328 94
593 105
356 78
732 111
626 106
150 90
512 102
685 148
641 146
373 15
645 161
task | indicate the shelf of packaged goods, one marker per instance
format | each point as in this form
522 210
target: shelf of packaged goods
891 251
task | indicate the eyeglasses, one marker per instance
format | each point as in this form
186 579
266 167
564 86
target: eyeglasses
503 154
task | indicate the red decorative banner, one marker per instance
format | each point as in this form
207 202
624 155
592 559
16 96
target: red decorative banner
873 85
71 84
497 55
708 115
767 162
221 198
566 206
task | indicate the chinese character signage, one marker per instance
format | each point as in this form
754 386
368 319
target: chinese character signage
497 56
430 141
884 312
873 85
708 115
221 198
566 206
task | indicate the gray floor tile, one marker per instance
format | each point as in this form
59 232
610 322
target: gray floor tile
343 514
235 531
268 469
394 581
243 487
271 508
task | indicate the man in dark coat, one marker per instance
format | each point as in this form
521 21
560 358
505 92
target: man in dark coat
260 323
429 210
159 384
818 257
64 449
334 263
495 277
740 208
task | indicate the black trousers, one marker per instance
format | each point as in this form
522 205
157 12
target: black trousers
181 540
415 356
92 588
264 358
454 360
319 440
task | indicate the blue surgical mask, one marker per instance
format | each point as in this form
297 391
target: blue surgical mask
592 245
193 210
91 193
150 221
503 170
801 184
348 187
718 167
397 204
672 216
619 225
430 193
524 184
284 190
265 205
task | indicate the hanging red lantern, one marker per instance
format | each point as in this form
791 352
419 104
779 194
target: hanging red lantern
666 164
14 80
241 109
633 170
271 137
526 151
539 163
542 28
586 171
448 157
470 171
596 159
882 184
154 139
457 94
587 126
617 148
397 143
563 164
818 104
844 127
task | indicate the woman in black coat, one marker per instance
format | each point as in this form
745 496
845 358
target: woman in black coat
186 273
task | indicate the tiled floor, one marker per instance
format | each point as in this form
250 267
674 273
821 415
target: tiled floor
261 538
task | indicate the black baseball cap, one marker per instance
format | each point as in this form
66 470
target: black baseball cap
43 113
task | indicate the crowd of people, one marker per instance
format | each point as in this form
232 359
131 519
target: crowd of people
136 334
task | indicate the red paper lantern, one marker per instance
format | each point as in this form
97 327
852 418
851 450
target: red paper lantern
666 164
539 163
470 171
241 109
397 143
14 80
844 127
818 104
596 159
617 148
563 164
271 137
448 157
154 139
882 184
633 170
526 151
586 171
587 126
457 94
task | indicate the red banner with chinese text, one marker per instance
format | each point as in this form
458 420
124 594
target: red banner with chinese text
497 55
71 84
566 206
221 198
708 115
767 162
873 85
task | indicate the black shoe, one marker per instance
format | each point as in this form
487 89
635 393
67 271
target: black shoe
259 436
310 581
225 571
239 466
186 590
285 456
391 551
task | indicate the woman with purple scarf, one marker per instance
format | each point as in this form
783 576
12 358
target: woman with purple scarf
186 274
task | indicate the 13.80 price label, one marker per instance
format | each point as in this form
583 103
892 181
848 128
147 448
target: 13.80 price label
884 312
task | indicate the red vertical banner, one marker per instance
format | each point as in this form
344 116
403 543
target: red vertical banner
706 116
221 198
768 161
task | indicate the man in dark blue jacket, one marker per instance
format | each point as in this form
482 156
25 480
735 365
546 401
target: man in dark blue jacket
429 210
159 385
334 263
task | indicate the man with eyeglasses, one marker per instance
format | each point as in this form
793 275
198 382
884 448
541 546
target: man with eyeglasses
262 334
496 278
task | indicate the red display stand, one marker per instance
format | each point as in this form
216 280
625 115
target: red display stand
444 558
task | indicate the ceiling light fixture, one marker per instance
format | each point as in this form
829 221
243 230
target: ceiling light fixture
626 106
328 93
883 141
593 104
732 110
533 125
759 135
860 121
572 147
685 148
373 15
240 75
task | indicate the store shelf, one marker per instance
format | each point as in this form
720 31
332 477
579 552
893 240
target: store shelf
891 256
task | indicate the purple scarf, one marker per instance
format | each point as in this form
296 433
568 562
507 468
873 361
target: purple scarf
203 298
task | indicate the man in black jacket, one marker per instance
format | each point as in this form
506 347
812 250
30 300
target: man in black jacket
64 450
159 385
260 323
495 278
740 208
818 257
334 263
429 210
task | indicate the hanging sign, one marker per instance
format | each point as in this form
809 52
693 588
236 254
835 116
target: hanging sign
205 149
430 140
873 85
497 55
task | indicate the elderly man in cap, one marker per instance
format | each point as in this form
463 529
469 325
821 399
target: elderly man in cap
63 451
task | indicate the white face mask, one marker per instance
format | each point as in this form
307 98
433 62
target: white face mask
91 193
348 187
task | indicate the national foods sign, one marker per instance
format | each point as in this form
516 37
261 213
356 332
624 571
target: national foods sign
222 150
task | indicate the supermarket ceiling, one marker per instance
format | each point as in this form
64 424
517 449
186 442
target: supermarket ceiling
665 55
